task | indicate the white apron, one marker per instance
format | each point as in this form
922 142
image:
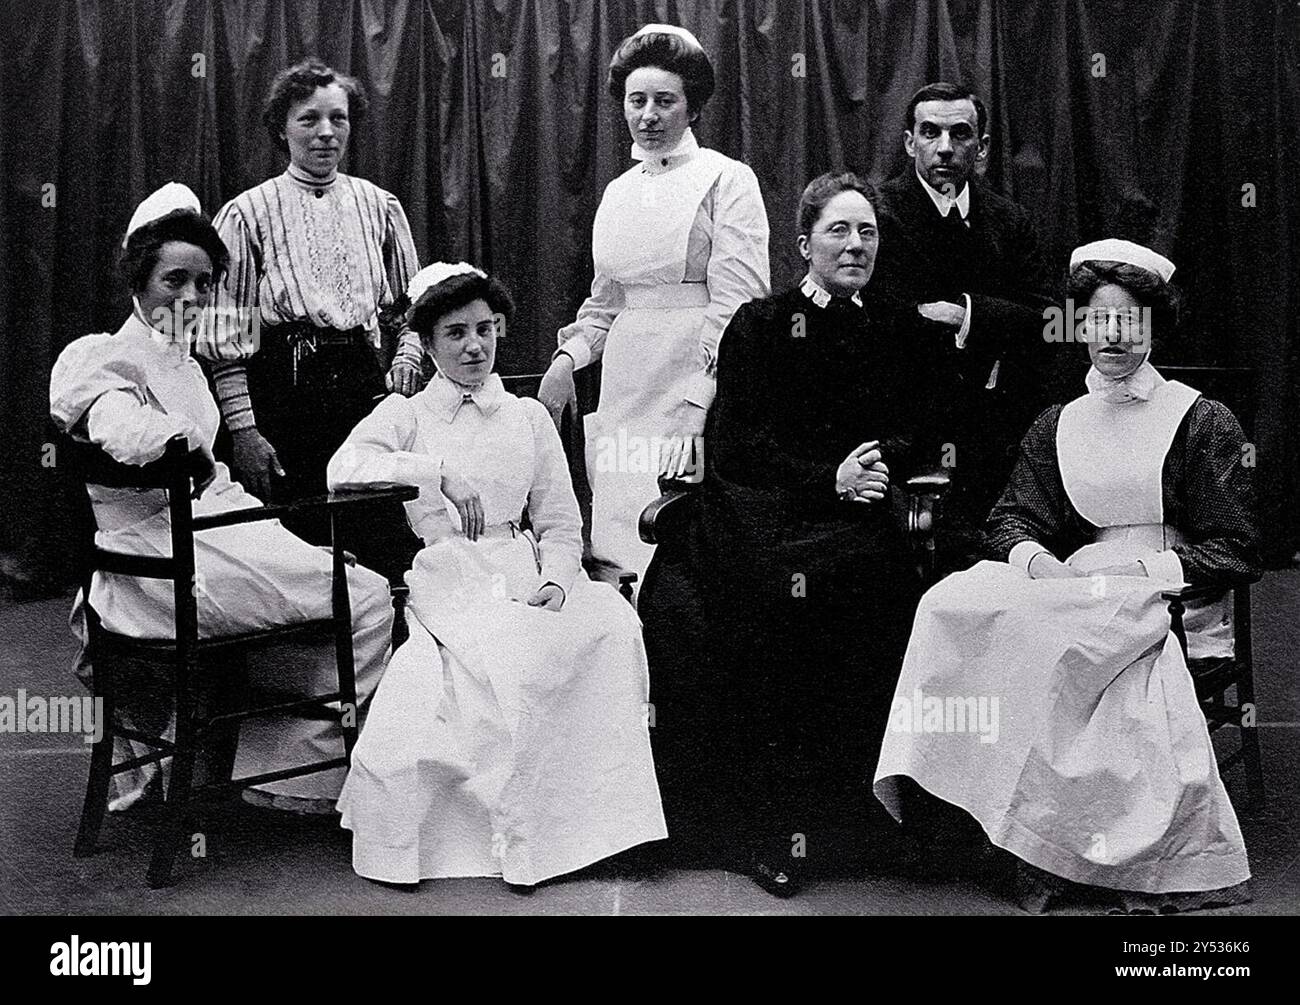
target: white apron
505 740
1060 713
639 239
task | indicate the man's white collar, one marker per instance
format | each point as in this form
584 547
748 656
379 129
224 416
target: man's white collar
943 202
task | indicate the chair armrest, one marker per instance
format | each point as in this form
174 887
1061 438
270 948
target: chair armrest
932 483
334 500
94 467
1206 591
667 512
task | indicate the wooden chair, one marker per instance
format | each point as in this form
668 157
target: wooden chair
1214 678
205 706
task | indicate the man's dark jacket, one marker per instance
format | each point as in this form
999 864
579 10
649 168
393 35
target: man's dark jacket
997 261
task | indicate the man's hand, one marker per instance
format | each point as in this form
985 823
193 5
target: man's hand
466 499
206 473
682 455
255 461
943 312
1127 569
864 473
1045 565
549 596
404 378
557 386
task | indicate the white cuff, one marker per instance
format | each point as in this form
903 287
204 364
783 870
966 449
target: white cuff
701 389
1163 565
1023 553
964 330
577 350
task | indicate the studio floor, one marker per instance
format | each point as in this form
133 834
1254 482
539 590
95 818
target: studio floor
264 862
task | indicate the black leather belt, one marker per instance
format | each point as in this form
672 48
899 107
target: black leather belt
305 340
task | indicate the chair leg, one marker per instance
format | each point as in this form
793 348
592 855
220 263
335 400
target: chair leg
1250 754
176 809
401 630
101 774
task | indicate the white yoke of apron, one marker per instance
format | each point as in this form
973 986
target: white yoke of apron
1112 457
639 239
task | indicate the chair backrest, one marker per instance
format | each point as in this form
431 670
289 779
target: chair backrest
171 473
524 385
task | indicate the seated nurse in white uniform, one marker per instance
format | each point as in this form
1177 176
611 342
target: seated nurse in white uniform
1044 693
131 391
510 734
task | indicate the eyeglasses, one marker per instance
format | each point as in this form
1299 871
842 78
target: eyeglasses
1127 321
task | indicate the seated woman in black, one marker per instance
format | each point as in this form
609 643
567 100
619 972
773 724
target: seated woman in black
775 624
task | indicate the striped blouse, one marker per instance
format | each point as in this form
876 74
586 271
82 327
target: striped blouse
329 253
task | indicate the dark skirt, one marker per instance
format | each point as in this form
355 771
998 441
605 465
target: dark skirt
775 632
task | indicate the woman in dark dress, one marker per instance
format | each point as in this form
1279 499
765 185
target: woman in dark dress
775 623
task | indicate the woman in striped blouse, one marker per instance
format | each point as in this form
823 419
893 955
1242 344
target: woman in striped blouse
314 254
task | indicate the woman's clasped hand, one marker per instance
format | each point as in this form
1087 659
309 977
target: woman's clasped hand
863 476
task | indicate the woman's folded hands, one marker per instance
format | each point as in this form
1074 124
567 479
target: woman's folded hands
863 476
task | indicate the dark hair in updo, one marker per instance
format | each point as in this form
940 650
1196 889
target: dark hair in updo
822 190
145 244
298 83
457 291
1147 289
666 52
1136 220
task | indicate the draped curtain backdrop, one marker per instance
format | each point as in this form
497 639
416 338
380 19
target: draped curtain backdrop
490 121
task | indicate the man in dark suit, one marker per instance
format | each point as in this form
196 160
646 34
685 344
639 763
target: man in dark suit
969 259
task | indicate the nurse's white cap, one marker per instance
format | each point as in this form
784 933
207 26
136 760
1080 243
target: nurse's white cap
432 275
168 199
1115 250
669 29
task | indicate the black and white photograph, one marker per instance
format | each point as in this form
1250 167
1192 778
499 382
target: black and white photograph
651 457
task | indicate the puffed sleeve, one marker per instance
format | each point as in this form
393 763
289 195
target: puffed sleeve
101 398
1033 513
229 342
379 453
738 269
1219 522
552 506
400 264
584 340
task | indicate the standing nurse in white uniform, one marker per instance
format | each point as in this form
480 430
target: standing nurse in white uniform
679 242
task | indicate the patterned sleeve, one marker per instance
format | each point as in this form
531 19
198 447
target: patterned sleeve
1216 497
1034 506
400 264
235 302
